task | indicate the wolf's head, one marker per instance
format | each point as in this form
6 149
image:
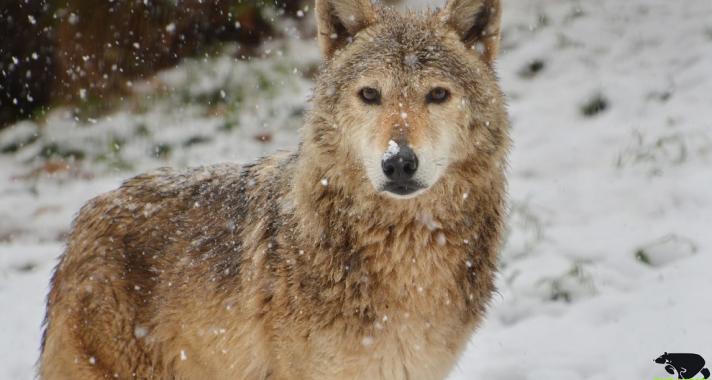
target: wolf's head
405 100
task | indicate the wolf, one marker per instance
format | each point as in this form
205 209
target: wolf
368 253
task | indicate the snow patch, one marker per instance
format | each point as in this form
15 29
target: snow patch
392 150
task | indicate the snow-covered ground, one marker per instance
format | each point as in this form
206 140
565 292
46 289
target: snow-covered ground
608 261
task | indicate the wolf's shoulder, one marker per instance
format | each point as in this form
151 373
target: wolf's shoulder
171 180
169 191
160 186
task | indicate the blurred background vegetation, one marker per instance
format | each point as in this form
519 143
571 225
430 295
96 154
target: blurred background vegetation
61 52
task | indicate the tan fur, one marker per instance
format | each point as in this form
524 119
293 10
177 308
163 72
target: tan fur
478 21
296 266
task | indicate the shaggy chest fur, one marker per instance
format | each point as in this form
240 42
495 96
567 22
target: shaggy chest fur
410 313
396 307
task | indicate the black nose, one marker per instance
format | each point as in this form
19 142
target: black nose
400 166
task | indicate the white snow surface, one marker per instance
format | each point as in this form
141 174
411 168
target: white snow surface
607 262
391 151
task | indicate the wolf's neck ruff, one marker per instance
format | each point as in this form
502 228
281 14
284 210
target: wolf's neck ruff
455 226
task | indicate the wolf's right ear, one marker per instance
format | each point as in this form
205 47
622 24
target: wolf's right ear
339 20
478 24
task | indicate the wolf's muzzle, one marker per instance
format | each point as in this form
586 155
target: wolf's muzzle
403 188
400 165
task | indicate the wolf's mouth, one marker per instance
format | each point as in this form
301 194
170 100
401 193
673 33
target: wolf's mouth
402 187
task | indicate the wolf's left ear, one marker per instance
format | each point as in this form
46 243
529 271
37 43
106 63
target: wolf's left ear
477 22
339 20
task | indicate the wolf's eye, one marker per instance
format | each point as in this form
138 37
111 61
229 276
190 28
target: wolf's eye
437 95
370 95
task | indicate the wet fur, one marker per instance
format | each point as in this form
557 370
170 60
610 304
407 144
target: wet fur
264 272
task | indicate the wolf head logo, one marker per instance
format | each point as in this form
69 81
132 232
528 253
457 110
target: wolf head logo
407 100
